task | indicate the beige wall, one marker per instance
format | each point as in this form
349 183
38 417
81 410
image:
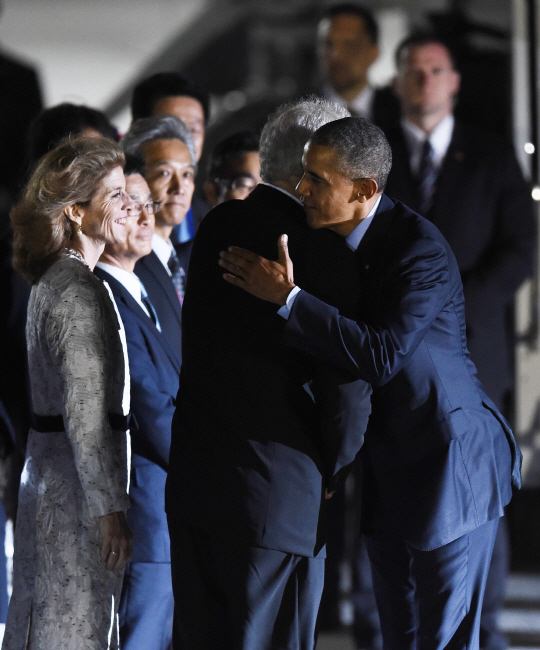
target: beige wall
86 50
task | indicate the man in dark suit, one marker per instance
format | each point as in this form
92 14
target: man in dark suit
468 183
168 153
348 37
260 434
234 168
171 93
439 460
146 608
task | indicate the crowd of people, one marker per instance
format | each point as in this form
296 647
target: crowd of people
203 372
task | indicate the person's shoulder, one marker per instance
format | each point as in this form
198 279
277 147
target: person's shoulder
410 227
480 143
221 217
72 284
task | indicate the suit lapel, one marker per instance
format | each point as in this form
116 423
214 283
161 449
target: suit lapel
155 267
148 323
401 180
129 301
449 179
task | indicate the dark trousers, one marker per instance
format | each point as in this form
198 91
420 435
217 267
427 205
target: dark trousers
146 607
491 635
431 600
234 597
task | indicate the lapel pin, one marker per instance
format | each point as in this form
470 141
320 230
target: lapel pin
366 267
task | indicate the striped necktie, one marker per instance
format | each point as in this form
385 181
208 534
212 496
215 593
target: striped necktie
149 307
177 275
426 178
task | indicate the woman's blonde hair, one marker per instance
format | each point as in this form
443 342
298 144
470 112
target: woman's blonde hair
70 173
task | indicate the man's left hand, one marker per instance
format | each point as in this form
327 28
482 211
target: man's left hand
258 276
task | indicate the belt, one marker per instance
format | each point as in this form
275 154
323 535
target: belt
55 423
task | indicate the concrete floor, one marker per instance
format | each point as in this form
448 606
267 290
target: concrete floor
520 618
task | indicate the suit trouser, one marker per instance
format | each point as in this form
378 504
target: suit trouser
146 607
234 597
430 600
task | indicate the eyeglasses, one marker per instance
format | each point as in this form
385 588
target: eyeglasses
151 208
238 183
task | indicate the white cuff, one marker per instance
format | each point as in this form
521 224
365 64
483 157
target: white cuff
285 311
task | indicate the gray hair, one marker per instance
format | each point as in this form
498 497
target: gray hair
286 133
361 147
165 127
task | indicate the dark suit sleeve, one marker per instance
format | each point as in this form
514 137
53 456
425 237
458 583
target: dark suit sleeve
153 408
343 409
412 294
508 260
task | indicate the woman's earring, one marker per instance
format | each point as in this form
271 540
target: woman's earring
79 231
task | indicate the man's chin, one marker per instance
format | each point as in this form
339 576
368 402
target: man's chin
311 222
172 217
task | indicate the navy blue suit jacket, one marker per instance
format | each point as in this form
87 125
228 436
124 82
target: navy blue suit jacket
163 297
490 226
154 368
439 459
252 453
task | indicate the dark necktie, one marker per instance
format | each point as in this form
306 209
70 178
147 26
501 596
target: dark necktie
149 307
426 178
177 275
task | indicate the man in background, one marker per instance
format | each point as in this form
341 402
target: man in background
234 168
167 149
171 93
348 37
468 183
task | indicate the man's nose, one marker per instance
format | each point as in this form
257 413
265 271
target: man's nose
175 185
303 187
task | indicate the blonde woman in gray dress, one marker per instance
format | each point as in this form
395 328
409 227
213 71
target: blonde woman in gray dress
71 538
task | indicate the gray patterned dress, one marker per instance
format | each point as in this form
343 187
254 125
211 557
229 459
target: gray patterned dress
63 596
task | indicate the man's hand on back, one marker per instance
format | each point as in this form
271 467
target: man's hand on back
271 281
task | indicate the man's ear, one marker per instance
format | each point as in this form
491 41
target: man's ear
211 192
364 189
74 213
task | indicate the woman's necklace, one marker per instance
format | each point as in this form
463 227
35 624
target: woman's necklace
70 252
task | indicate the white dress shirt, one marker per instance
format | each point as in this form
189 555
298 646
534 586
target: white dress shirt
128 280
163 250
353 241
439 139
360 106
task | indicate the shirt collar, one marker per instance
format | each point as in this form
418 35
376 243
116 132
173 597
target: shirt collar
360 105
355 236
280 189
439 139
163 250
128 280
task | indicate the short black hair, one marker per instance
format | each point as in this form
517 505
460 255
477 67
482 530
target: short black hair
166 84
223 152
419 39
361 147
354 9
134 165
58 122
